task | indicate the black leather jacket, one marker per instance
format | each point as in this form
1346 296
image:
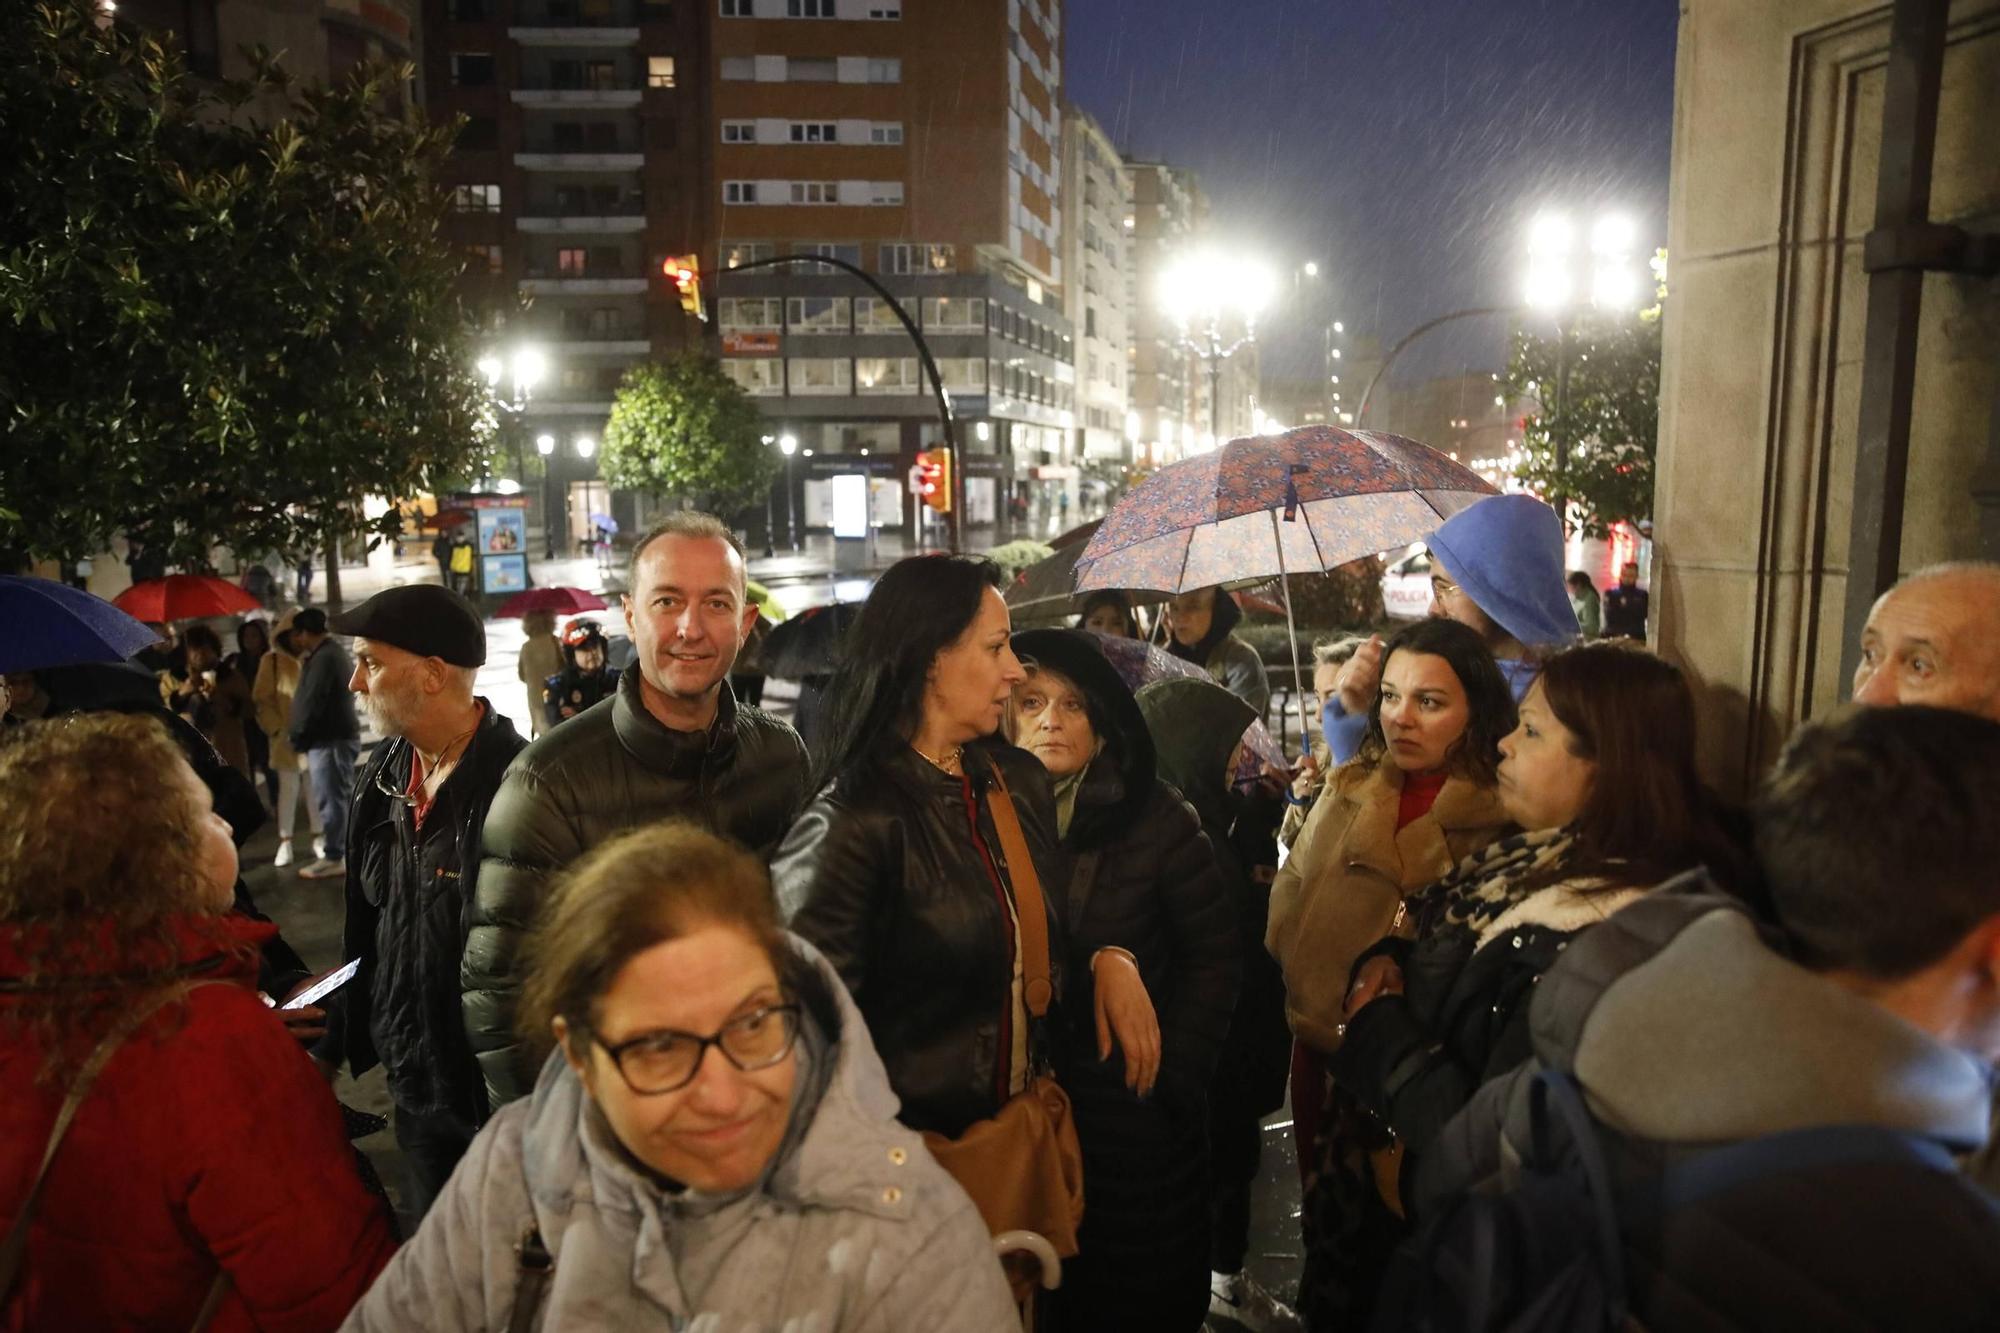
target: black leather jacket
611 768
898 897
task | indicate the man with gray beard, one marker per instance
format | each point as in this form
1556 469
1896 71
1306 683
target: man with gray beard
412 856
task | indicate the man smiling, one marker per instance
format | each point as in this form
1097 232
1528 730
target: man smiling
672 743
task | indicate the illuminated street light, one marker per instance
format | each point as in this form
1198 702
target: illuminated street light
490 367
545 445
787 444
585 446
529 367
1312 269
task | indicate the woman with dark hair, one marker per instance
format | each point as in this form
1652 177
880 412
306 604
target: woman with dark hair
1600 776
1418 798
202 1163
894 870
710 1145
1145 883
212 695
253 641
1109 611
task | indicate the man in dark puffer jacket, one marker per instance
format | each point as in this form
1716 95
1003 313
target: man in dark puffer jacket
671 744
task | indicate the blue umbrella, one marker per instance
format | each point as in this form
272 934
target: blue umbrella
48 624
605 521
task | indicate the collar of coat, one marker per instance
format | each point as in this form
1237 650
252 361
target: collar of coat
659 747
1375 843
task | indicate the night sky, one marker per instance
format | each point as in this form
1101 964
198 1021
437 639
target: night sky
1402 143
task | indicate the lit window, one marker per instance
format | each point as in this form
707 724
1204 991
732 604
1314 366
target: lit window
886 374
571 263
476 198
757 375
659 71
751 314
816 314
820 375
746 252
874 315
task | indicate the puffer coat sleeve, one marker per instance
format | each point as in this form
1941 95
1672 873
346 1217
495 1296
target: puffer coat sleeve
529 835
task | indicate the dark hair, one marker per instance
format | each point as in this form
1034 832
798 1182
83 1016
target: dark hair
640 889
263 633
1580 580
1111 597
1477 754
1877 837
874 701
681 523
201 636
1648 815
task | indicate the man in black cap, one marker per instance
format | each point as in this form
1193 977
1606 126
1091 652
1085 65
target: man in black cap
412 859
324 729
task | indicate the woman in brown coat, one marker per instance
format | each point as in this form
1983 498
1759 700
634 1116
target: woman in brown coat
1417 798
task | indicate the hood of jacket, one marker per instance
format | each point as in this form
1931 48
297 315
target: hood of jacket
834 1153
1195 725
1506 551
1687 1026
1118 783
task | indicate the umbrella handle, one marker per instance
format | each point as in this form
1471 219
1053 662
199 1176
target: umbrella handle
1291 637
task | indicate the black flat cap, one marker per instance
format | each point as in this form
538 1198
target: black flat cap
421 618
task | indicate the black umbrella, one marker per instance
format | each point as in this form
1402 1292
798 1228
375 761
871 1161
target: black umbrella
1047 588
807 645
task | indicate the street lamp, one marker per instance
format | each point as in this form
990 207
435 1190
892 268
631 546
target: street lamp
1198 291
585 446
545 445
1606 275
788 444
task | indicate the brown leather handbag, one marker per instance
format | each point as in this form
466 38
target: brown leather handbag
1024 1167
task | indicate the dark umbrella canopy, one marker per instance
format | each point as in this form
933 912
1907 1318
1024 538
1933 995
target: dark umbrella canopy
47 624
1048 587
808 644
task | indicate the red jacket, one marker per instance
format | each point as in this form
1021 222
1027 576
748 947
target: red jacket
209 1138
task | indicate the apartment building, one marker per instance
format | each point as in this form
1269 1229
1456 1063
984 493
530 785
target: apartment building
577 172
1097 195
923 145
1169 393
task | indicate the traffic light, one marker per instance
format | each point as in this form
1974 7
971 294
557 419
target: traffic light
936 469
685 272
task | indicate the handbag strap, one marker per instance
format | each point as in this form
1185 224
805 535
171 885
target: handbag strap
15 1247
1034 922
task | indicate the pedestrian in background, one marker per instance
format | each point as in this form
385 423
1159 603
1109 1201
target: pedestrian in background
461 563
253 643
1496 568
1418 798
305 580
1626 605
206 1163
441 546
1109 611
1201 625
323 727
419 806
271 695
1145 883
213 697
581 679
541 657
1584 601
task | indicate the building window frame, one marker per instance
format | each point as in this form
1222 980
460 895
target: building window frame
660 72
739 131
739 192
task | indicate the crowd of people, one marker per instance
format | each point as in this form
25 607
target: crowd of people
684 1024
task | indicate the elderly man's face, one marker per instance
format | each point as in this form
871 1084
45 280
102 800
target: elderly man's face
1935 641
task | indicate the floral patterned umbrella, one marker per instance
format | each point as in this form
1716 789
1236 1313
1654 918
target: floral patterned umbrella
1312 498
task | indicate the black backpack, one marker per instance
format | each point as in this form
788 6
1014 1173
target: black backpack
1548 1255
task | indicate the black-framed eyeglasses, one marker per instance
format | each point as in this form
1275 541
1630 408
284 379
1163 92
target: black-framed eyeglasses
666 1060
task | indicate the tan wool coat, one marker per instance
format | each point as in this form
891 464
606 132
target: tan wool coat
277 679
1341 888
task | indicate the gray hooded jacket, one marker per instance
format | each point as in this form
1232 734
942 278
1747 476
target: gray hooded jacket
854 1228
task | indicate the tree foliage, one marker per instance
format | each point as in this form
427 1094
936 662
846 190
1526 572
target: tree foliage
685 430
1610 415
227 313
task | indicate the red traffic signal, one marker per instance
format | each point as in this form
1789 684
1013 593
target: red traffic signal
933 475
684 271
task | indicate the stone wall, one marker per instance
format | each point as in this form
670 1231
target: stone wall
1777 119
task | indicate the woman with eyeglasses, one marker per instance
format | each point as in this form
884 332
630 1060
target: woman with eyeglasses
711 1143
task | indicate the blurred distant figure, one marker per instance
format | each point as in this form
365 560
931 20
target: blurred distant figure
1584 601
541 657
1109 611
583 678
1625 606
1201 622
214 698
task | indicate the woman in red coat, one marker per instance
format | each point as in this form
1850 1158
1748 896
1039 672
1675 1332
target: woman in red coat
207 1158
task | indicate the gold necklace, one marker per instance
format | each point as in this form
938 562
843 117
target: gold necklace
949 763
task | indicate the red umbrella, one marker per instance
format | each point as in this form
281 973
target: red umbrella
184 597
562 601
448 518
